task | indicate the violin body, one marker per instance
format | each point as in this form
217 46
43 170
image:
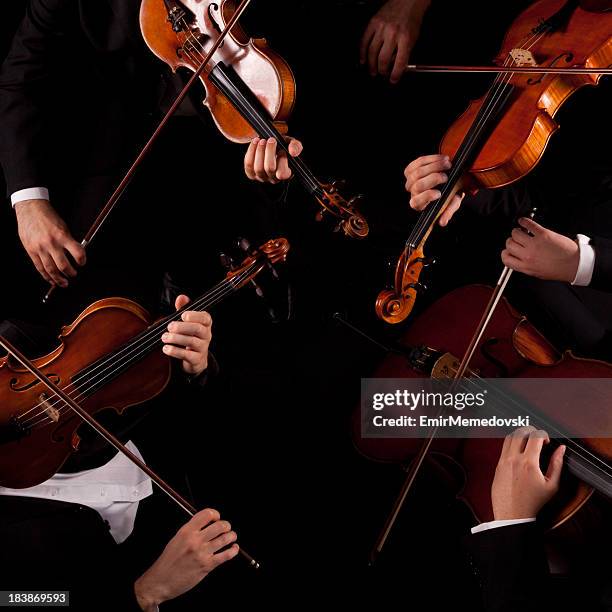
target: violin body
520 136
503 136
511 347
265 73
110 358
39 451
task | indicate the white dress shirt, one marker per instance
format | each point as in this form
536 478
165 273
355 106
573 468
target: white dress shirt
503 523
113 490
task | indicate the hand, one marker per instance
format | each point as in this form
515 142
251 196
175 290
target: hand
263 163
187 559
423 176
189 339
543 254
390 36
47 240
520 489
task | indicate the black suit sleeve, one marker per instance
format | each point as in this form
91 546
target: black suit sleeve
602 273
510 563
24 80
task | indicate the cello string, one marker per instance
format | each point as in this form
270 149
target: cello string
209 299
551 428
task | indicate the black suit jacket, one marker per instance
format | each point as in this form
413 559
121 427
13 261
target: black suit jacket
510 564
77 92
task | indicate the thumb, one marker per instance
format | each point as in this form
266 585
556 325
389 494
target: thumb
553 474
181 301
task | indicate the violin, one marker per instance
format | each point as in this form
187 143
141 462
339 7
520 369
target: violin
250 89
501 137
511 347
109 357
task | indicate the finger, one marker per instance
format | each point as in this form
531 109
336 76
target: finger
203 518
62 263
216 529
535 443
194 343
385 57
520 237
505 446
181 301
295 147
52 271
226 555
404 47
77 252
249 160
451 209
197 330
421 201
270 161
192 316
222 541
512 262
374 50
424 160
188 357
429 182
519 439
514 248
440 165
530 225
555 466
259 163
41 269
366 39
283 171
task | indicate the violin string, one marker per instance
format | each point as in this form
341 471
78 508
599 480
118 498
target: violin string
213 297
426 218
117 365
550 428
209 299
95 382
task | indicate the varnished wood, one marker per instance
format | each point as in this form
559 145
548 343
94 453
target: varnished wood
265 73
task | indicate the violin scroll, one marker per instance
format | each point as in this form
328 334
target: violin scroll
270 253
351 222
395 305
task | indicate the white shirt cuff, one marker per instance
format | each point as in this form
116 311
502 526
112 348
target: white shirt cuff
33 193
495 524
586 265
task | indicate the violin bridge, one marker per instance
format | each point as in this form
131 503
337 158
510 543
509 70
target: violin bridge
50 411
523 58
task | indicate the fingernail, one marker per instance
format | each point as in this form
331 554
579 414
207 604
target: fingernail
166 349
447 164
271 140
164 337
262 143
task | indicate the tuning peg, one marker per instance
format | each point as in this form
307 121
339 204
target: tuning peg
226 261
356 200
244 245
427 261
419 287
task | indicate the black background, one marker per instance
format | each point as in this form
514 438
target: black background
272 448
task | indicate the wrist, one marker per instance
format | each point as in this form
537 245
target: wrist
148 594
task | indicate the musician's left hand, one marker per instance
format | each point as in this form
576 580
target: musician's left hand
540 252
189 339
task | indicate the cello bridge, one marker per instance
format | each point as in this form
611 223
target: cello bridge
49 410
